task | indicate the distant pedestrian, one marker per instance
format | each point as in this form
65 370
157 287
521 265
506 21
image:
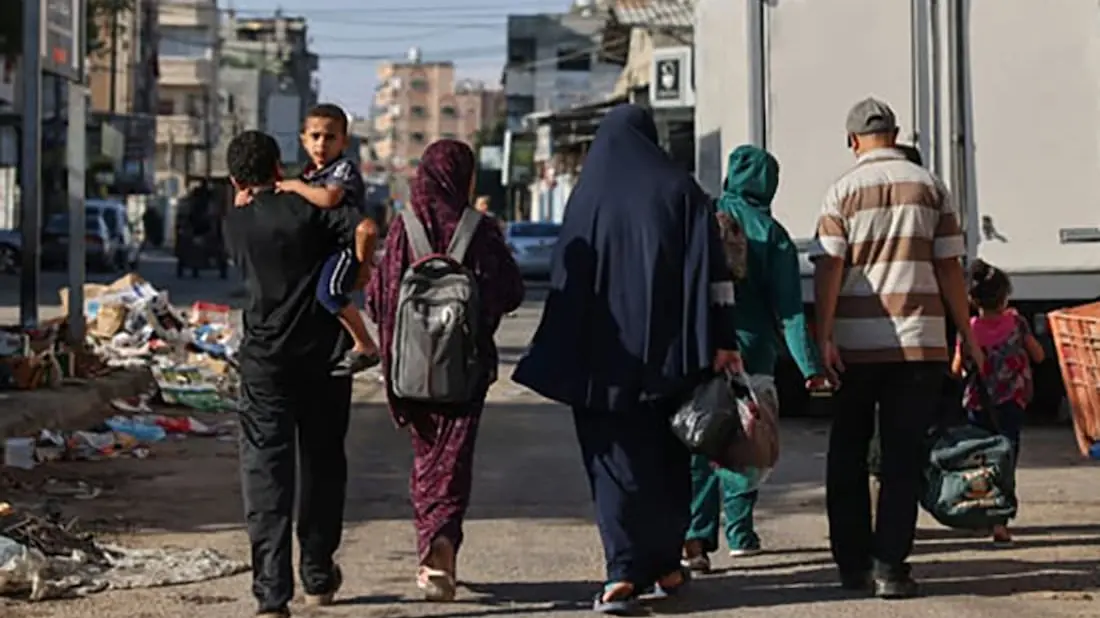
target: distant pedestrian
769 295
887 259
295 413
1010 348
640 308
443 435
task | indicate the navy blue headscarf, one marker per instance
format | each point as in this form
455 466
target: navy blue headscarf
627 318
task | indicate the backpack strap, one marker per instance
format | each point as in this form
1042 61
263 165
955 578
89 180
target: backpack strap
464 234
417 235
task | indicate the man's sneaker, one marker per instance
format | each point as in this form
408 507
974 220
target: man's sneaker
904 587
326 598
859 581
355 362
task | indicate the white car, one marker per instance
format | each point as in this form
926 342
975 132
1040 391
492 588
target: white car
532 245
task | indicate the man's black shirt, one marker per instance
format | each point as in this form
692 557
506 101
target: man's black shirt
280 241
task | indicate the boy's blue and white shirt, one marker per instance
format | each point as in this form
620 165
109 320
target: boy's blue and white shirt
343 173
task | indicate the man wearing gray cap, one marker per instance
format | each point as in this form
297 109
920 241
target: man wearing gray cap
886 259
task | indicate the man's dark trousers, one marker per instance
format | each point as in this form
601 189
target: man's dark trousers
286 420
906 396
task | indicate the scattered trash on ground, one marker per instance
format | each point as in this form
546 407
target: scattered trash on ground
128 324
42 559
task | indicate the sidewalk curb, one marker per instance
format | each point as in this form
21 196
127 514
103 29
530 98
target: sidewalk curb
25 413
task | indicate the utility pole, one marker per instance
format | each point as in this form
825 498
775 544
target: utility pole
208 133
114 59
30 173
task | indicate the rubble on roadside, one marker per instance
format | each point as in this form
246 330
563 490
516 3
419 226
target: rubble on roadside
129 324
42 558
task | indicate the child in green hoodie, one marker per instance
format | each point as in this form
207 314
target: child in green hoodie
769 300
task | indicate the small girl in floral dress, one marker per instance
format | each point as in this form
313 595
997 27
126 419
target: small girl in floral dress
1009 348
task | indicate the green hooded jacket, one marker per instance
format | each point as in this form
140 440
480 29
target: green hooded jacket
769 300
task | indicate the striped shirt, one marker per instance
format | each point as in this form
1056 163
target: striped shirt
888 219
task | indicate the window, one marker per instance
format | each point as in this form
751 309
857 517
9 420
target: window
166 107
183 42
417 137
419 85
519 105
570 59
449 111
522 51
419 111
194 106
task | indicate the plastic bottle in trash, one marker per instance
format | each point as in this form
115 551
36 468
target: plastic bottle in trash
141 432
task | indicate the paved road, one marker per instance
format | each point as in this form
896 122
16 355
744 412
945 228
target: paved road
532 550
157 268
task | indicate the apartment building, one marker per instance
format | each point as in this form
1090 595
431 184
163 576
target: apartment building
555 62
123 96
122 72
187 101
416 103
269 81
479 108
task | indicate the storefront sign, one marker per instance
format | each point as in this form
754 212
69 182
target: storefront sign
670 84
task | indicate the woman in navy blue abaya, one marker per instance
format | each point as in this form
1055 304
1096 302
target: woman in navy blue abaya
639 311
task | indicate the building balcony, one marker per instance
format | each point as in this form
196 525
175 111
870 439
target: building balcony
194 13
187 72
181 130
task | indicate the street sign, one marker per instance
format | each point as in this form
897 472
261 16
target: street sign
62 39
670 84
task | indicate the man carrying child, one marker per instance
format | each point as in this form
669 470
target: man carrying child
331 180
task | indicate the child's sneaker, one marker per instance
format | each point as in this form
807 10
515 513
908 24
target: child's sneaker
355 362
1001 536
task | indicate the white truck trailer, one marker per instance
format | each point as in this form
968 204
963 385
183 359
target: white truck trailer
1001 96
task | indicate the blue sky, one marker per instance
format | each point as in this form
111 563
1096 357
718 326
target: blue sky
350 36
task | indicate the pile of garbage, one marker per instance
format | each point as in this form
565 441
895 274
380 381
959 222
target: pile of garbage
42 558
131 324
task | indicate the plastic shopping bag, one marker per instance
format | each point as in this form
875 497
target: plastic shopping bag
706 421
755 450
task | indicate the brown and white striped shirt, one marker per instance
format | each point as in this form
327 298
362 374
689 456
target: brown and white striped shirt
889 219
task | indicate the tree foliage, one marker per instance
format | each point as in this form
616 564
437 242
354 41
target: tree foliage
11 23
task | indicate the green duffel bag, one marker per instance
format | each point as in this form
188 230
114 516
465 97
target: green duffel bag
970 479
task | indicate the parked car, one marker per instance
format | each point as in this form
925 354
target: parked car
126 251
100 249
532 245
11 252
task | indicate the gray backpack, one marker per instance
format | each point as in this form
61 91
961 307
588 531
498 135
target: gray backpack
434 350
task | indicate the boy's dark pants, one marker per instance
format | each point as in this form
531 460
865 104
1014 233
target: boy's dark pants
907 397
338 277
